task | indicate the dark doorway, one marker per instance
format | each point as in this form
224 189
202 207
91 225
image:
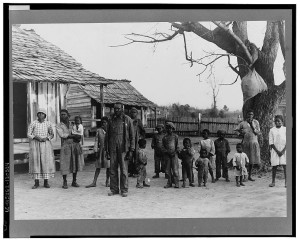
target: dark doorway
20 110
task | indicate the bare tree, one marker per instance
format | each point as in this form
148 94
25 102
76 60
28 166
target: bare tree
232 37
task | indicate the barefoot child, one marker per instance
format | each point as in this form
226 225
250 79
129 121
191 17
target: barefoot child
222 150
277 141
239 162
77 128
156 144
170 149
202 164
141 163
187 156
100 149
209 146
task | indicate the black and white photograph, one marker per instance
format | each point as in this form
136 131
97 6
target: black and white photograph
149 116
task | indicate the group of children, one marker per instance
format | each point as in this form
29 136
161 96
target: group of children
213 155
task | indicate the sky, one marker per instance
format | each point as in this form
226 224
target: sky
161 72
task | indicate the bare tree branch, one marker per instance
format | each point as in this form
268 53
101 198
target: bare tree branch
236 38
232 82
234 69
153 40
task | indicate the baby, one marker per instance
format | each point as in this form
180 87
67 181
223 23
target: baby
77 128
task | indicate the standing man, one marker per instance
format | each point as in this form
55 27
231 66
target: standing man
71 156
139 133
120 135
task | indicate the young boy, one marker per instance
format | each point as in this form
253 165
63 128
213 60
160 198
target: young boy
209 146
202 164
187 157
239 162
156 144
141 163
170 150
222 149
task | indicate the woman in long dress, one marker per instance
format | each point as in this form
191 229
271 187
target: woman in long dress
250 129
71 155
277 142
41 157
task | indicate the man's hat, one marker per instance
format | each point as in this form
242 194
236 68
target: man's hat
42 110
160 126
133 109
220 132
171 125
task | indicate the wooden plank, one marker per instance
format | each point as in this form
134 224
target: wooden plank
101 101
78 101
29 101
79 111
79 105
77 95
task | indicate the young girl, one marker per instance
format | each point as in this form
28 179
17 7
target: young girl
222 150
77 128
187 156
202 165
141 163
102 159
277 141
209 146
239 162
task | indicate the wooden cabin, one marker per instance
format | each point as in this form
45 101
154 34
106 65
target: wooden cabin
41 76
85 101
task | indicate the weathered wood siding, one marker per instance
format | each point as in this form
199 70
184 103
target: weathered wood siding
79 103
47 96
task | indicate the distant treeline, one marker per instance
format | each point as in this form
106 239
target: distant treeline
178 110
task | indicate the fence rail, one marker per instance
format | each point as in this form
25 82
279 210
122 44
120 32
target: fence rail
193 127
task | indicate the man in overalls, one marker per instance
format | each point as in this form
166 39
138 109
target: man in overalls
120 135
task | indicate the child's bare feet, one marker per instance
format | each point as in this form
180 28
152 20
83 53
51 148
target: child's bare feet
91 185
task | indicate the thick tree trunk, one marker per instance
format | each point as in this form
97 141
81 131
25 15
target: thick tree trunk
264 106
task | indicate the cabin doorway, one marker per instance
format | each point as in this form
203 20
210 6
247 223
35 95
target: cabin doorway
20 110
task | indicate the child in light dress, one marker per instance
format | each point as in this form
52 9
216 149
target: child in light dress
209 146
77 128
277 142
239 162
141 164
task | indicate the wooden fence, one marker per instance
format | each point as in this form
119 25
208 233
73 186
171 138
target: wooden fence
193 127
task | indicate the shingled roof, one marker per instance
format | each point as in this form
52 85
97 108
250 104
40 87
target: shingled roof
35 59
120 91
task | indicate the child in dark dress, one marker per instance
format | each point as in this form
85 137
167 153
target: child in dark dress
187 157
222 149
203 165
156 144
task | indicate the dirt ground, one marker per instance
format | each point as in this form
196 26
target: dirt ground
217 200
